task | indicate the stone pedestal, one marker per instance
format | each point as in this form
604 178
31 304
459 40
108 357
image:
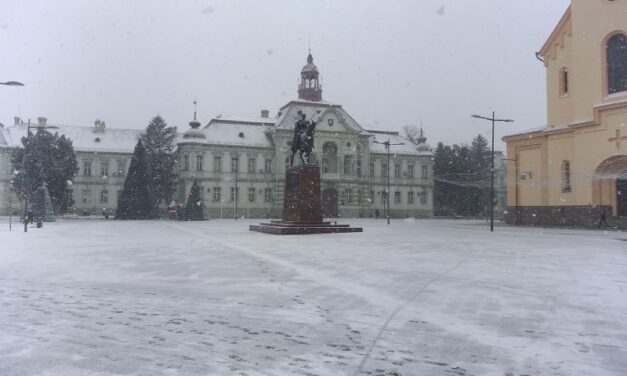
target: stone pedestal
302 210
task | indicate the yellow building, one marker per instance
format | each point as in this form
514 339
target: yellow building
576 167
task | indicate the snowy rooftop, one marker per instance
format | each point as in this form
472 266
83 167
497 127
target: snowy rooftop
288 114
408 148
233 132
112 140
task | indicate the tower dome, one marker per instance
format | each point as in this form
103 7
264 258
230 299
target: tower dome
194 131
310 88
421 142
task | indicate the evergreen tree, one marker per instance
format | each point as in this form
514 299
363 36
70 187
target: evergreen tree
46 158
194 208
136 200
159 141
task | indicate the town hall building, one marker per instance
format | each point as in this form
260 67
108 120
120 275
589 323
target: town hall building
240 162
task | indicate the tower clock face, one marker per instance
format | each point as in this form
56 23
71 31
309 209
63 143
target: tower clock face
331 121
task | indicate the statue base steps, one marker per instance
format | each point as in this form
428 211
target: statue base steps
302 228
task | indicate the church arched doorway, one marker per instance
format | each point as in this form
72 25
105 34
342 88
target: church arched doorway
609 185
329 203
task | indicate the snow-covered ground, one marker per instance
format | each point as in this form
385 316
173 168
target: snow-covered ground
424 297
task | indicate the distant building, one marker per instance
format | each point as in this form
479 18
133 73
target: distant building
240 162
576 166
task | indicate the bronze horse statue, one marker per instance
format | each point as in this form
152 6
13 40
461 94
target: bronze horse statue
303 141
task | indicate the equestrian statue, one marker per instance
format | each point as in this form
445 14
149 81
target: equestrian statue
303 141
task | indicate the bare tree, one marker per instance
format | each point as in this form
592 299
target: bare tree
412 133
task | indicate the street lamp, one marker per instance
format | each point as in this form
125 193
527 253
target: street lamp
12 83
493 119
387 145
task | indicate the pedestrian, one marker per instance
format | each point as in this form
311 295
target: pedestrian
105 213
376 213
602 217
29 218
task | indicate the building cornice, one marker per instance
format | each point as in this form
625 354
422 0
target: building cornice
556 39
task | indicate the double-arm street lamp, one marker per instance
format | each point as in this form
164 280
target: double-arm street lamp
387 145
494 120
12 83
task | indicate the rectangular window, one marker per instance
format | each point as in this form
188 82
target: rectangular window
251 194
425 172
410 170
86 168
186 162
199 162
104 196
217 163
217 194
234 164
384 197
267 195
372 170
384 170
86 196
348 165
360 196
234 196
121 167
371 196
397 170
104 167
397 197
423 197
268 166
252 163
358 169
410 197
349 196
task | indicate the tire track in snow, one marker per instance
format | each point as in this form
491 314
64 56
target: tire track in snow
374 297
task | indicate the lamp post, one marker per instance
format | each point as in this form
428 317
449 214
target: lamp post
387 145
494 120
235 166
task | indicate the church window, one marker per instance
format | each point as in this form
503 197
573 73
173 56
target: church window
616 64
563 81
199 162
566 186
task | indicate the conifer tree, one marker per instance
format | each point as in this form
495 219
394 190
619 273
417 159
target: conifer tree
159 141
136 200
48 159
194 208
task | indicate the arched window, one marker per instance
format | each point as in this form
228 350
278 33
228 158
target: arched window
563 81
617 64
566 187
329 158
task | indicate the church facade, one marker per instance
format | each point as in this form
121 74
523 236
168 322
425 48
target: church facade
575 168
240 162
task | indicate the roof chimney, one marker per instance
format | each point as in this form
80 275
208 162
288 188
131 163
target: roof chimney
265 114
41 122
17 120
99 126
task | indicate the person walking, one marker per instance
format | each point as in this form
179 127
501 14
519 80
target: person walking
376 213
602 217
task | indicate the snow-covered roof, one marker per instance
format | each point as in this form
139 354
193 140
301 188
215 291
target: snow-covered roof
244 119
408 148
221 131
111 140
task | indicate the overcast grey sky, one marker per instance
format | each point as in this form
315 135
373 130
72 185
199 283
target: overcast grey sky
389 63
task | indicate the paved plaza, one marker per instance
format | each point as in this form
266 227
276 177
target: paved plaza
419 297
